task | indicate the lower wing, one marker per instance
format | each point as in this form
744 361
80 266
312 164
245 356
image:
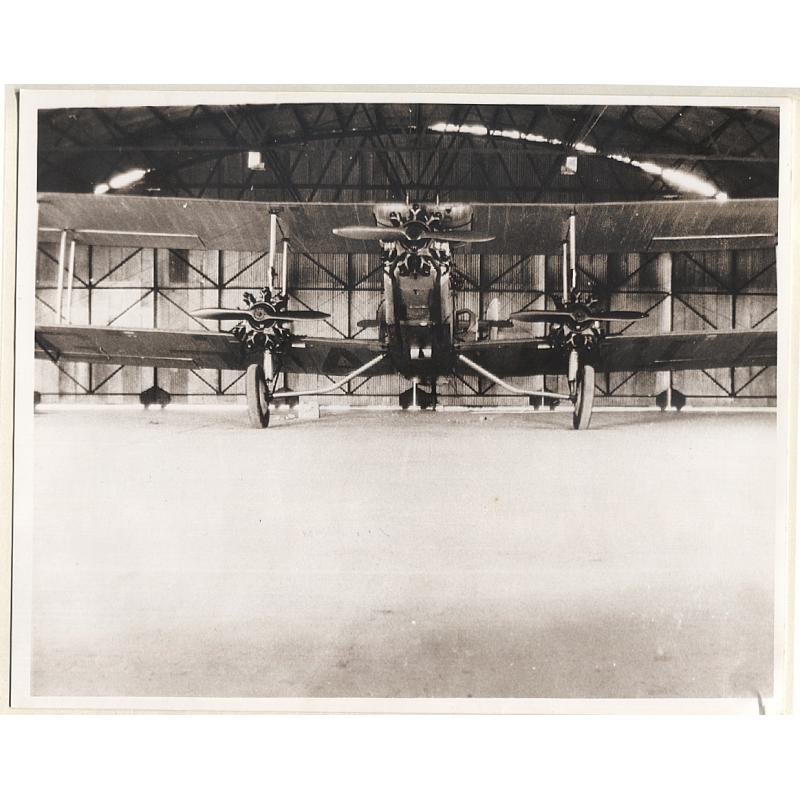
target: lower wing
698 350
147 347
661 351
140 347
335 357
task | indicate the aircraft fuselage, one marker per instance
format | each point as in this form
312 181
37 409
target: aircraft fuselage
418 311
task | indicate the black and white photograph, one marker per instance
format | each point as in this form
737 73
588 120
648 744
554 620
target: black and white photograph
389 401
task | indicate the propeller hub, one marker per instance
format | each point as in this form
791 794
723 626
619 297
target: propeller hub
416 230
580 314
261 313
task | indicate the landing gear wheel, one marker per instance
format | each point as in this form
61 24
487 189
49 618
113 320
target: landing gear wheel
582 414
257 396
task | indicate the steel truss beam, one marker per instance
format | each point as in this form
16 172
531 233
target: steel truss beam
210 135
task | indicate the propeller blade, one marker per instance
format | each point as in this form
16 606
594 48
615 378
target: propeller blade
465 237
221 313
376 234
616 316
297 316
567 316
370 234
542 316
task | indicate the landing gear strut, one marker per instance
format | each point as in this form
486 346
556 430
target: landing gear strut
257 396
416 398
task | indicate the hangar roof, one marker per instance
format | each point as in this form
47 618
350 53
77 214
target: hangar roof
360 152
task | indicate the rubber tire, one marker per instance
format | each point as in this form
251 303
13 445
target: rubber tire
582 414
257 396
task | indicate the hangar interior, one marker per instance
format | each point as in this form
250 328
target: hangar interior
487 553
376 152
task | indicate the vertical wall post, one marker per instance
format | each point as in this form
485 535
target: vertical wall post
734 297
664 271
220 287
89 293
70 280
285 268
573 254
481 287
273 235
62 252
564 273
539 266
155 306
350 284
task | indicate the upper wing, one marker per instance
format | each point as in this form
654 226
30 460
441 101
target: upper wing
190 224
661 351
635 227
518 228
197 350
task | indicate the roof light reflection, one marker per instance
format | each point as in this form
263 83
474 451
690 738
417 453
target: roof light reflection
689 183
678 179
124 179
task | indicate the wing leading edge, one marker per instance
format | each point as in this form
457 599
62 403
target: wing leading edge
517 228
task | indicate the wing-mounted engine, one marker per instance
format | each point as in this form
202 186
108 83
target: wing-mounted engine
577 323
261 324
576 329
261 330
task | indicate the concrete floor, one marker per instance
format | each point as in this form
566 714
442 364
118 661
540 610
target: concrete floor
391 554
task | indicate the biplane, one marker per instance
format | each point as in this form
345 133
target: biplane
422 334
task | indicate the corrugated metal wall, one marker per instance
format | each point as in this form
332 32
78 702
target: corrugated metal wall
128 287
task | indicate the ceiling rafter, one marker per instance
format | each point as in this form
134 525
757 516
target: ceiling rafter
117 130
201 150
